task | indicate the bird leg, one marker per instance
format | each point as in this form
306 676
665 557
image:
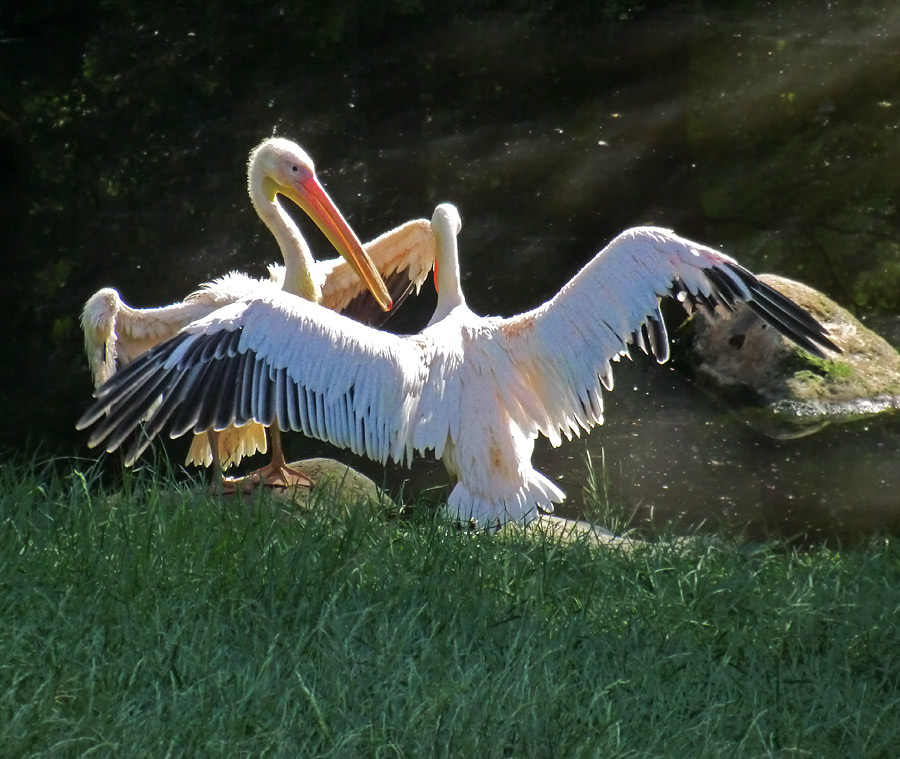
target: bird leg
219 484
275 474
278 473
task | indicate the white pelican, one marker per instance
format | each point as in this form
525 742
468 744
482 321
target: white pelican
475 390
115 334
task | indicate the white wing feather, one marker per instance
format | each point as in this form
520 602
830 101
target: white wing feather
559 354
354 386
116 333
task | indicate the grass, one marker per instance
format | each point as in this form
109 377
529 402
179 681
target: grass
153 622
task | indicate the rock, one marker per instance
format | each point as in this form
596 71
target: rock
778 387
570 530
337 486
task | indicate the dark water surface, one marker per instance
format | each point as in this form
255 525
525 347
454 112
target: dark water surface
769 132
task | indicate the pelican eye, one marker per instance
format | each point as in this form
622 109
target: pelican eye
301 172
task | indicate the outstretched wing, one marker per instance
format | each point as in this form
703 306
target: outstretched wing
116 333
403 256
276 359
562 350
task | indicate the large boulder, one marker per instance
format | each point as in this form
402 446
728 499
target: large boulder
780 388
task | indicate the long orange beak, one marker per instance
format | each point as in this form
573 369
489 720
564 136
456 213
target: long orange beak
312 198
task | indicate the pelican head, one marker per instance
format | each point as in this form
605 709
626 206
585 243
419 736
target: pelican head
446 217
280 167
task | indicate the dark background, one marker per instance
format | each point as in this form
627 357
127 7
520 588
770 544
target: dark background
769 130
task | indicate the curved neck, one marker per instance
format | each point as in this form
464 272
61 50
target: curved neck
299 275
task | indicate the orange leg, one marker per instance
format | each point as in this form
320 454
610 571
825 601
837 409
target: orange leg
275 474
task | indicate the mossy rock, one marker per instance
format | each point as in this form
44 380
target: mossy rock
777 386
338 487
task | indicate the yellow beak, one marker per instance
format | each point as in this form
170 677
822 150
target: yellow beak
316 203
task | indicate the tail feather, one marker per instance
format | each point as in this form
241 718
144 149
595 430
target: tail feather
494 510
234 444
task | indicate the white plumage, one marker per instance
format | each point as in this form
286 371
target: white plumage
477 391
116 334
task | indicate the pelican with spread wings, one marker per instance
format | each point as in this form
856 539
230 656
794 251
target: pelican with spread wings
476 391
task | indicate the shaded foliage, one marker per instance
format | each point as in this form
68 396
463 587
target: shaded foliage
124 128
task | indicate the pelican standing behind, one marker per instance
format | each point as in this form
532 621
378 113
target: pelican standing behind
475 390
115 333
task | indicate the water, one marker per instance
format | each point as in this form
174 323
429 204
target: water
770 132
672 454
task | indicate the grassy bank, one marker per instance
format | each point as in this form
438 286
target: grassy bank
153 622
